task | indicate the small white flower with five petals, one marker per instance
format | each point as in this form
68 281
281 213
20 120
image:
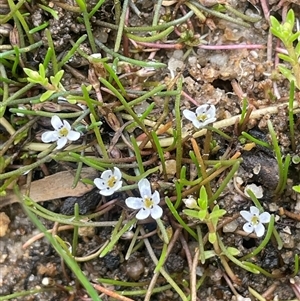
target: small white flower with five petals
205 114
109 182
148 203
255 221
62 133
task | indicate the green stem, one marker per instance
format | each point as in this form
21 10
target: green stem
162 259
96 8
255 140
291 115
72 51
13 9
162 270
278 157
154 38
129 60
121 24
263 243
234 260
178 122
116 237
46 114
140 99
218 14
75 232
20 17
163 231
51 45
241 15
158 5
179 219
21 50
89 30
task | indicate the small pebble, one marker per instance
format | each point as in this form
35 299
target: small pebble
230 227
4 222
135 268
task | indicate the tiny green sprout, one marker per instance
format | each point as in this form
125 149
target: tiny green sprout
233 251
202 213
285 33
296 188
39 77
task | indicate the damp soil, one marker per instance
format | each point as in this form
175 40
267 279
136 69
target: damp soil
218 77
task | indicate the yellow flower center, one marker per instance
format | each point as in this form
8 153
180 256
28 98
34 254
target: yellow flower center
202 117
254 220
111 181
63 132
148 202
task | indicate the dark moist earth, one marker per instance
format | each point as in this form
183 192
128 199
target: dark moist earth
208 76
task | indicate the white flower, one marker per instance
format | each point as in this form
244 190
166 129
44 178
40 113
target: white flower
109 182
148 203
62 133
257 190
190 202
205 114
255 221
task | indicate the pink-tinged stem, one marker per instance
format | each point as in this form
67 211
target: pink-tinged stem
296 288
276 59
177 31
284 12
265 8
192 100
269 47
281 50
232 47
152 55
189 23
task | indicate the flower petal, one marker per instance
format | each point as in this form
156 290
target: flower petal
100 183
56 122
211 112
189 115
246 215
106 175
145 188
203 109
259 230
248 228
67 125
107 191
118 185
49 136
61 142
254 210
155 197
156 212
265 217
208 121
73 136
143 213
134 203
197 124
117 173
